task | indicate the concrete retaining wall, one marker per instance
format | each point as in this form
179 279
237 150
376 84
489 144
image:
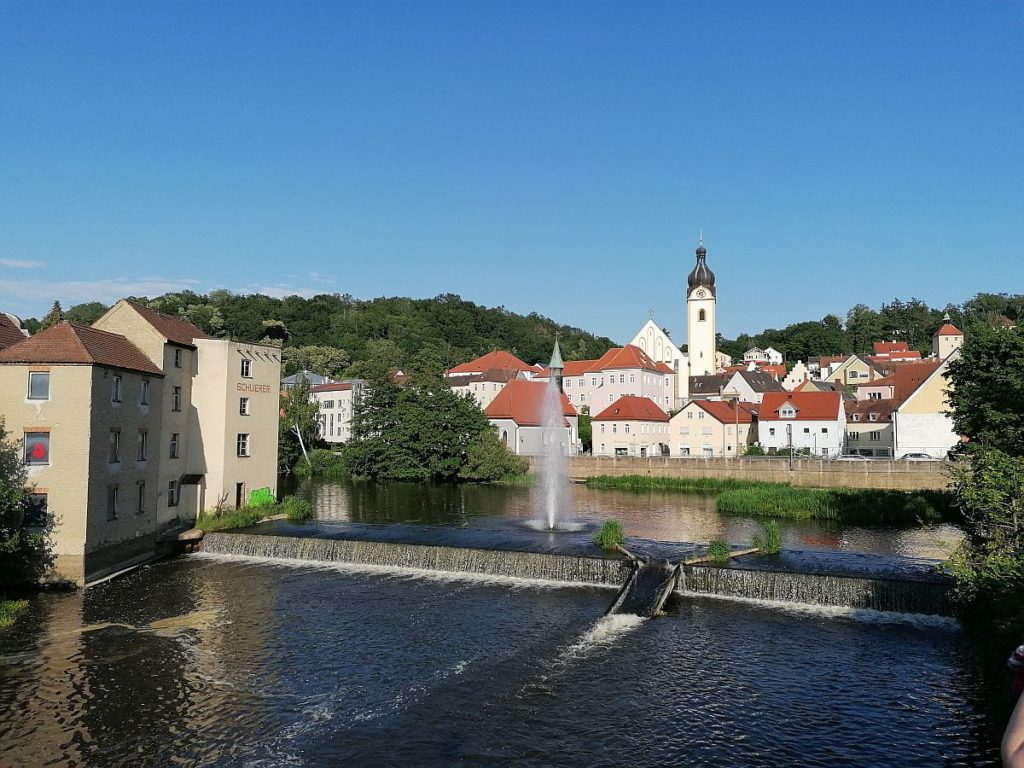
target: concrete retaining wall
901 475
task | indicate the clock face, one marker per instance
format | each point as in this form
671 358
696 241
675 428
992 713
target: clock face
701 293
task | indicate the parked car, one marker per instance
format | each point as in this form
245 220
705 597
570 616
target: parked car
918 457
850 457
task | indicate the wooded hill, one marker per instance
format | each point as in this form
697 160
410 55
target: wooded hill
339 335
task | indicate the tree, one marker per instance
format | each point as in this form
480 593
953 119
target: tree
85 314
487 458
299 426
23 553
53 317
586 433
327 361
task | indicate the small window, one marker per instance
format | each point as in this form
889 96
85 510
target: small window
807 430
176 399
824 430
116 392
114 443
875 435
872 417
242 444
112 502
177 358
701 316
246 368
626 429
771 430
37 447
141 508
144 394
38 385
172 493
243 406
174 445
36 511
143 445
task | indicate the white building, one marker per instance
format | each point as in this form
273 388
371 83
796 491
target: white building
631 426
815 421
656 343
337 404
923 423
517 415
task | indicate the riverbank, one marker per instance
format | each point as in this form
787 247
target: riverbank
752 498
9 610
805 472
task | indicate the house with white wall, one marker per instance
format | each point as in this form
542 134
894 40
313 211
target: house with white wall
812 420
709 428
923 422
631 426
337 402
517 414
621 371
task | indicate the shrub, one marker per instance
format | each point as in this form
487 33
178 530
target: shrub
297 510
648 483
771 542
489 459
610 535
235 518
323 463
9 610
719 551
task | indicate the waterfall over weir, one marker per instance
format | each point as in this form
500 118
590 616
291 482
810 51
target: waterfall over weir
644 588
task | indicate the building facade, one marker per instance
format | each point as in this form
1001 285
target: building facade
708 428
701 302
811 421
631 426
337 403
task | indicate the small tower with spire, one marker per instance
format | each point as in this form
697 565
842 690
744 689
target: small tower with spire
701 301
556 366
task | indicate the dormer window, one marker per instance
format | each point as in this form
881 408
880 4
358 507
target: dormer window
872 417
856 417
787 413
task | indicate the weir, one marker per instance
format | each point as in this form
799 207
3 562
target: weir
821 578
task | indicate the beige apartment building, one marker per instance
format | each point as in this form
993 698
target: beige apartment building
220 421
86 407
711 428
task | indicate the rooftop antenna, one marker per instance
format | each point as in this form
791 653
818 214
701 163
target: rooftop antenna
700 237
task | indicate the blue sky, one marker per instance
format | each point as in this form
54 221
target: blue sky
556 157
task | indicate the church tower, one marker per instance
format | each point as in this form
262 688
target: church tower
700 316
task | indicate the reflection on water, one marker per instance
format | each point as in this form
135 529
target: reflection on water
201 661
660 516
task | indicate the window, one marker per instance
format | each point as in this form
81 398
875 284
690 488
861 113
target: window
174 445
114 443
172 493
856 417
771 430
37 447
875 435
626 429
701 316
824 430
38 385
144 395
632 378
112 502
583 398
35 512
689 414
807 430
602 429
143 445
700 414
177 358
176 399
115 395
622 378
242 444
141 508
872 417
246 368
874 395
615 428
243 406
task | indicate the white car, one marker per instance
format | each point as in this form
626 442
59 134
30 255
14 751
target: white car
918 457
851 457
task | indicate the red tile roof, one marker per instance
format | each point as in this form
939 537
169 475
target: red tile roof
810 406
9 332
949 330
333 387
79 344
724 412
907 378
496 359
632 408
577 367
174 329
775 371
523 402
628 356
860 411
887 347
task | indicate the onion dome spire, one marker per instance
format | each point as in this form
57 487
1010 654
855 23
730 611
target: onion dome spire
701 276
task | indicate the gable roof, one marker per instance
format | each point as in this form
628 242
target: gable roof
723 410
496 359
948 330
79 344
760 381
523 402
629 356
907 378
10 332
708 385
810 406
337 386
499 375
174 329
632 408
863 409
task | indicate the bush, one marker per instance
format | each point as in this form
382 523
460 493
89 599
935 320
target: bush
610 535
862 505
9 610
648 483
488 459
297 510
235 518
323 463
720 552
771 542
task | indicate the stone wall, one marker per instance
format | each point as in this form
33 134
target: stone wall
901 475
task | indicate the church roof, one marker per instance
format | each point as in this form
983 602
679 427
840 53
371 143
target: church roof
701 274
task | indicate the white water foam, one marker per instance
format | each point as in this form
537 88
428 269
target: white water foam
603 633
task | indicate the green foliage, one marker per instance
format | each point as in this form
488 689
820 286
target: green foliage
235 518
987 389
9 610
586 432
753 450
85 314
24 554
869 506
719 551
327 361
649 483
323 463
610 535
771 542
488 459
296 510
300 415
53 317
417 433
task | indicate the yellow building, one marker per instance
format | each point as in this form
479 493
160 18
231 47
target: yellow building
710 428
86 407
221 419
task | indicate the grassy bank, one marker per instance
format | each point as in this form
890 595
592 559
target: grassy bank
295 509
754 498
9 610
